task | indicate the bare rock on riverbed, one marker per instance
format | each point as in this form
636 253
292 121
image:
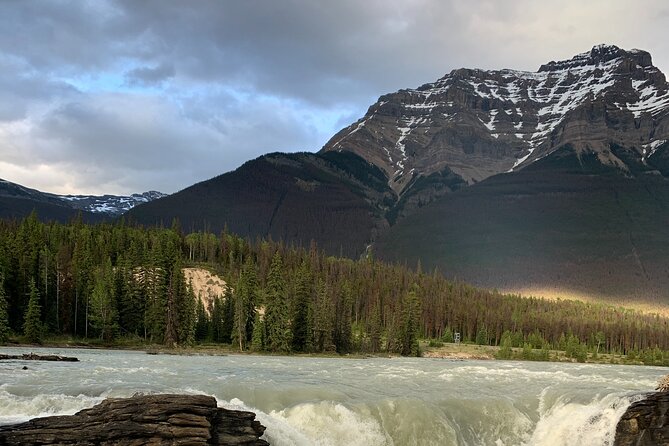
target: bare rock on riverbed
143 420
645 422
36 357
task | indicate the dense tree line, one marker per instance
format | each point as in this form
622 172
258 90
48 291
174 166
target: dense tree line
117 280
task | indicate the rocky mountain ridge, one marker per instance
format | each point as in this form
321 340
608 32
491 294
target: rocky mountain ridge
113 205
104 205
479 123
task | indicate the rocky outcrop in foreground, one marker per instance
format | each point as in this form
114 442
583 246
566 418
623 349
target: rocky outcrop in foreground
645 422
143 420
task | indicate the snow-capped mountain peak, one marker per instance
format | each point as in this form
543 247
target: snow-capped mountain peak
110 204
479 123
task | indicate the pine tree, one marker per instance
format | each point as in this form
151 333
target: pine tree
32 326
258 339
4 316
251 297
216 319
245 299
375 330
187 314
505 351
82 267
342 333
131 301
482 335
410 319
104 313
180 317
323 319
302 309
277 322
202 322
239 319
228 318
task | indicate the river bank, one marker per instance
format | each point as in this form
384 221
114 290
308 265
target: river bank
428 349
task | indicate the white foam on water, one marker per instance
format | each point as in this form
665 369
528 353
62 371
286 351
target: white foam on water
568 423
278 432
325 423
17 409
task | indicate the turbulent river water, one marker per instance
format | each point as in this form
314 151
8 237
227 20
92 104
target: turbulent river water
324 401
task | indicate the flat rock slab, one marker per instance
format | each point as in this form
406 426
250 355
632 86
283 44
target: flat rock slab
166 419
35 357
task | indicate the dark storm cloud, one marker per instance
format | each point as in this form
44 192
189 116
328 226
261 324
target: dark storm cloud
122 96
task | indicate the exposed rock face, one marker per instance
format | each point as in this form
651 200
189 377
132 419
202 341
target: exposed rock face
645 422
480 123
143 420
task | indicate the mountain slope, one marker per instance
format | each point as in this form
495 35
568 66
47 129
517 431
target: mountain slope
565 226
336 199
18 202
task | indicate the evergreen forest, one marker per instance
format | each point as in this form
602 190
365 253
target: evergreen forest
119 281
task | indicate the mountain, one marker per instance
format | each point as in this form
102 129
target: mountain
576 205
476 124
336 199
547 180
18 201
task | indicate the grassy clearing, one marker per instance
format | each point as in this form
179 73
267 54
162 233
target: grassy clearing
473 351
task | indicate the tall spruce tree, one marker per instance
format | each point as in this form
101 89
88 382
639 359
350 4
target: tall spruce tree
323 319
409 324
32 325
228 317
4 315
180 311
302 311
277 321
202 322
104 312
342 332
239 318
251 297
258 339
375 328
245 300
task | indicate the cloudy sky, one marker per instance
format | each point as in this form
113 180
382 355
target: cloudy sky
119 96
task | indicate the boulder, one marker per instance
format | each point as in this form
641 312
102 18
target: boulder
645 422
143 420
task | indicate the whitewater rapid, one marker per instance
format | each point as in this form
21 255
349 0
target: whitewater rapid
332 401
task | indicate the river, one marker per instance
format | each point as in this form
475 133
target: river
332 401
